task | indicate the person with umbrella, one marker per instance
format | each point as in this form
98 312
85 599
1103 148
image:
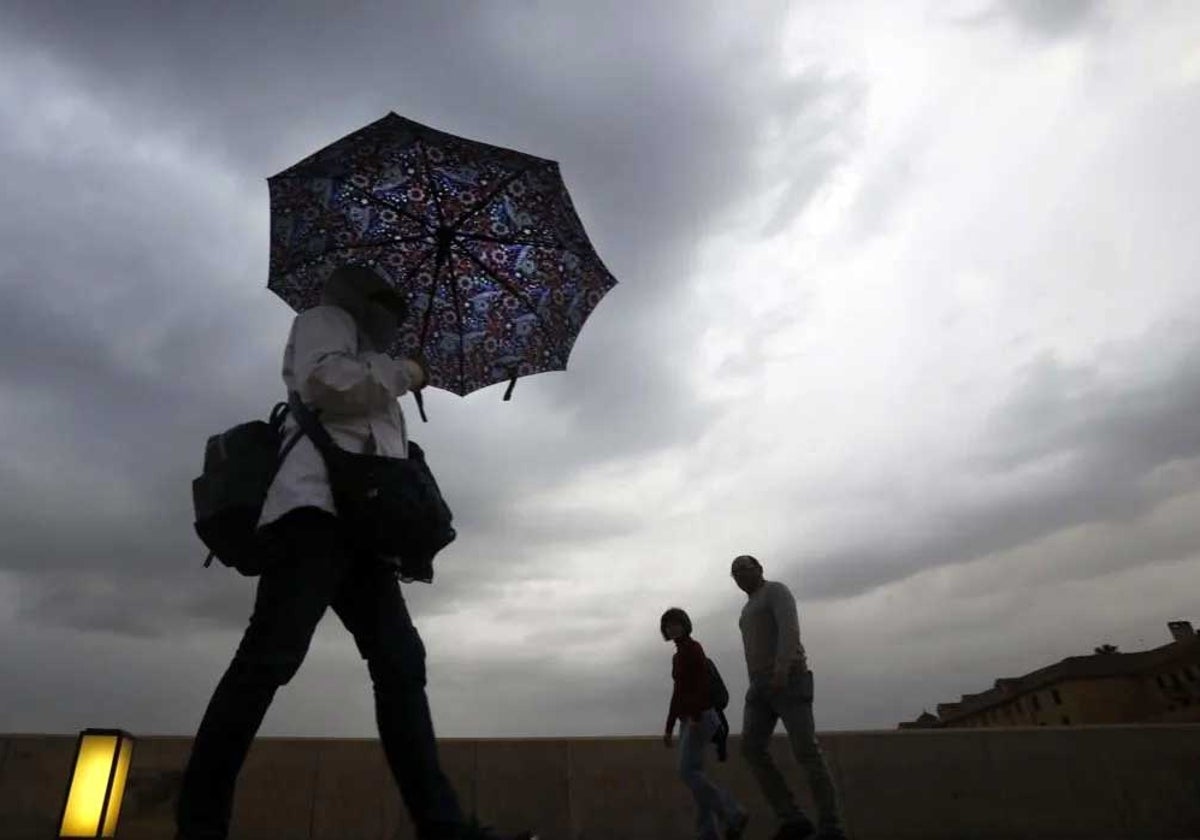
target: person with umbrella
333 360
483 246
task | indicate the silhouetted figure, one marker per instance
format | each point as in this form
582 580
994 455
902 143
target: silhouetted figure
692 706
781 687
334 359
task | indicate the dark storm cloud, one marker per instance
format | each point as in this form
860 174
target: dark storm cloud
110 352
137 140
1068 447
146 309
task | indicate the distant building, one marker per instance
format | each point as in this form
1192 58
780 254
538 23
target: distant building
925 721
1161 685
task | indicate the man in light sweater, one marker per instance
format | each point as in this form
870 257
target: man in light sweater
781 686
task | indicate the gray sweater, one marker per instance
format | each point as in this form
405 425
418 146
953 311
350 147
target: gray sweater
771 631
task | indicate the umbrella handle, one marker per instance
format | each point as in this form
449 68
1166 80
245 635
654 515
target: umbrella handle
419 358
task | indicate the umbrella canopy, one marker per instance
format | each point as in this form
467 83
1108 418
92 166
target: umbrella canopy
483 242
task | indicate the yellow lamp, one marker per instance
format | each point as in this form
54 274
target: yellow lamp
93 800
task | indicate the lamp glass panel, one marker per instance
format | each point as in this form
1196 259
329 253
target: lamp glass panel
81 816
118 789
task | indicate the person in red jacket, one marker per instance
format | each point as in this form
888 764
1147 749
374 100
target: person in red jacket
691 704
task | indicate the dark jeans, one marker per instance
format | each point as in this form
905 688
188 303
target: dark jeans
316 570
792 705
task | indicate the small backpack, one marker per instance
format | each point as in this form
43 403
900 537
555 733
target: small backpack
716 687
227 497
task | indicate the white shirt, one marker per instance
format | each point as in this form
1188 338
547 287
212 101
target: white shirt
355 392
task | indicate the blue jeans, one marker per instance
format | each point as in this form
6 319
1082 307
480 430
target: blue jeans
713 803
792 705
316 570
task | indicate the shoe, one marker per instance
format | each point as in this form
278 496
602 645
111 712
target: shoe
831 834
737 828
800 829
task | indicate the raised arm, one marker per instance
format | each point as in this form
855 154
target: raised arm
331 372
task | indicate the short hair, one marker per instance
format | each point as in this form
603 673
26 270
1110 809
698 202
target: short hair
675 614
749 557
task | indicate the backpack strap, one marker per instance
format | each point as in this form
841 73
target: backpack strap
310 424
278 413
286 449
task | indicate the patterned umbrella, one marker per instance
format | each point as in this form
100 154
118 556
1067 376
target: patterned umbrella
483 242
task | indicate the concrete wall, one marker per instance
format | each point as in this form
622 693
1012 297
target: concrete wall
1036 783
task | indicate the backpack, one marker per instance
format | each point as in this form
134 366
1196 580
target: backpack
227 497
716 687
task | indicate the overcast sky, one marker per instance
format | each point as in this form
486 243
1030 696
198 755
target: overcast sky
907 309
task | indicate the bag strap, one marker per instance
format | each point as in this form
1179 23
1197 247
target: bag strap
278 413
311 425
286 449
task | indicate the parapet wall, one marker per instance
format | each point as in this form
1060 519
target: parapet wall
1048 782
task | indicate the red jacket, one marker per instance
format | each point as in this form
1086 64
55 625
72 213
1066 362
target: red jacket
689 669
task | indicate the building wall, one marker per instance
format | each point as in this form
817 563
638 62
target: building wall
1111 700
1168 694
1114 782
1175 691
1019 710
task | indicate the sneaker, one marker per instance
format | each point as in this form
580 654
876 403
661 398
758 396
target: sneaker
737 828
800 829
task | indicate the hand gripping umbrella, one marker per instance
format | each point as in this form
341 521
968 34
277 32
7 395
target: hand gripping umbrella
483 242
